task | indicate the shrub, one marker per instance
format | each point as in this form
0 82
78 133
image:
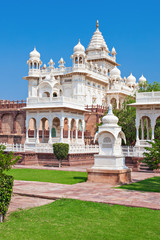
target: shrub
6 182
6 185
152 156
61 151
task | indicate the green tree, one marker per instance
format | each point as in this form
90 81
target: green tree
152 155
127 116
61 151
149 87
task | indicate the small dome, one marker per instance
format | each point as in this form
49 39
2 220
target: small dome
79 48
115 72
142 79
34 54
113 52
110 118
131 79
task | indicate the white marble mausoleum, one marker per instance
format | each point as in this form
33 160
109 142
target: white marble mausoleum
57 96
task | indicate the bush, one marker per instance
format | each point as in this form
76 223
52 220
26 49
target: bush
6 185
61 151
152 156
6 182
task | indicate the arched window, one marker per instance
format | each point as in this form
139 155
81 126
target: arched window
46 94
54 94
76 60
80 60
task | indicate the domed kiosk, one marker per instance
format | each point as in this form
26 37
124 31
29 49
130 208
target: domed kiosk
109 164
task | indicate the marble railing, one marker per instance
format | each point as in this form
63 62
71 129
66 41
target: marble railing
127 151
59 100
58 71
147 97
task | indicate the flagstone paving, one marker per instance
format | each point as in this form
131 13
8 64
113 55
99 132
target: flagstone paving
21 202
97 192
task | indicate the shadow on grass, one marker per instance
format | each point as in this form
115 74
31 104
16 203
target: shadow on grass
147 185
81 179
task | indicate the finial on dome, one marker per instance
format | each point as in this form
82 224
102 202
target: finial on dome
79 40
97 25
110 109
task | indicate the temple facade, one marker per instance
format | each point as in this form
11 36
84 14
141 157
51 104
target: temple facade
58 96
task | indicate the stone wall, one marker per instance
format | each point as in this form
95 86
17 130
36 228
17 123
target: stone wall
12 121
79 159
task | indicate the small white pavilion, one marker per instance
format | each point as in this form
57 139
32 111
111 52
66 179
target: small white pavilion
147 112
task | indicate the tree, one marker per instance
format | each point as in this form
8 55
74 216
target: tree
61 151
6 181
152 155
149 87
127 116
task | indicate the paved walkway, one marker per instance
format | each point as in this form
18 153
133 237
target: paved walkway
97 192
21 202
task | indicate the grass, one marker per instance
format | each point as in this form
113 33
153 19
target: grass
147 185
78 220
53 176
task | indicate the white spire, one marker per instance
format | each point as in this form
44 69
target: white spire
97 40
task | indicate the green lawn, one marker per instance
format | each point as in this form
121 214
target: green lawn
147 185
79 220
53 176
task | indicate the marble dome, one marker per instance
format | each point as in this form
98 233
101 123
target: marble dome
110 118
34 54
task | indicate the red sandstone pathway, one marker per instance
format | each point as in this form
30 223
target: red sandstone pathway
21 202
96 192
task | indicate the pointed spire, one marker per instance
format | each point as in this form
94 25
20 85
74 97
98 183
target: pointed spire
97 25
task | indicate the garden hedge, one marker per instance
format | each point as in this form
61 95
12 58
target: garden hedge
6 185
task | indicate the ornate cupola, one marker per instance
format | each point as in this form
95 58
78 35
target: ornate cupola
51 65
113 53
78 54
142 80
61 63
34 63
131 81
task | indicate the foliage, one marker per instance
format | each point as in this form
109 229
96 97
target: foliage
147 185
149 87
6 160
157 129
6 182
6 185
152 155
53 176
127 116
61 151
79 220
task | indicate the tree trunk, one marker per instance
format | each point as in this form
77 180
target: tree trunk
1 217
60 163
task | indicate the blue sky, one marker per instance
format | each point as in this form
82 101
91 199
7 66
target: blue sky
54 27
